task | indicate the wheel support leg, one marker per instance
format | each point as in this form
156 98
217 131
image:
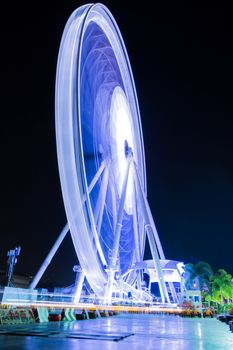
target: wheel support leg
78 284
149 224
115 250
63 233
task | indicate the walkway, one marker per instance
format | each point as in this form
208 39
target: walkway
120 332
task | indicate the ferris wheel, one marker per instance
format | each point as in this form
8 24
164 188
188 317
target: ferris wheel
101 157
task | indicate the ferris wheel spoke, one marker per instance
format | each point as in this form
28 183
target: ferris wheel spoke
113 201
92 185
99 207
96 177
98 247
118 227
117 232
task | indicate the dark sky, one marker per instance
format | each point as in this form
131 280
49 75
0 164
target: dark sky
181 59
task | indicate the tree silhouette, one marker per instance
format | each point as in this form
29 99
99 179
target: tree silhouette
198 276
222 285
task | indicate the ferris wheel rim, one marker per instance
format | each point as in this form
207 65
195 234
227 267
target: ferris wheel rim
86 11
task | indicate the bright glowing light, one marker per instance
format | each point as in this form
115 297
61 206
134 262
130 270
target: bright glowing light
121 131
171 309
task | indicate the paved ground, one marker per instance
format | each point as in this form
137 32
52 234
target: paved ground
120 332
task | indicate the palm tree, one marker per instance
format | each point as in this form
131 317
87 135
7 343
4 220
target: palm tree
198 276
222 285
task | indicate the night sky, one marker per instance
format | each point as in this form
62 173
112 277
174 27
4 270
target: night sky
181 59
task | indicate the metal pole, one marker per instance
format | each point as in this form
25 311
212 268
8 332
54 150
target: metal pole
155 255
137 242
49 257
152 242
158 243
113 263
98 214
63 233
79 283
99 209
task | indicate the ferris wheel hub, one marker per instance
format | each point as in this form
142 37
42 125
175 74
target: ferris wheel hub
128 150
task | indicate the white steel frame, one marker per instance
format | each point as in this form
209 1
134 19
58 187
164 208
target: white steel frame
76 192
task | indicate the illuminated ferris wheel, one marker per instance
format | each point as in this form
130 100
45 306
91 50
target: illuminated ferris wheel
101 157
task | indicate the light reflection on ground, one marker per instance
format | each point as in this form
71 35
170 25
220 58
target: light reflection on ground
150 332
